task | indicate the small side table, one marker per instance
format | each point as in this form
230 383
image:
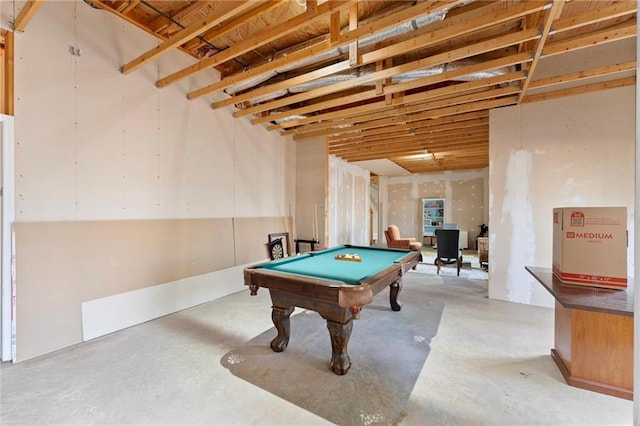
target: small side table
431 239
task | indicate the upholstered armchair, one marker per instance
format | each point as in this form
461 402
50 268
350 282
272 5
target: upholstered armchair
394 240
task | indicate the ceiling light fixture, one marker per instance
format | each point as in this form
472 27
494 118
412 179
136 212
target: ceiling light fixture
424 156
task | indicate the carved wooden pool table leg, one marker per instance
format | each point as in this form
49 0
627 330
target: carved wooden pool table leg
394 290
340 333
281 319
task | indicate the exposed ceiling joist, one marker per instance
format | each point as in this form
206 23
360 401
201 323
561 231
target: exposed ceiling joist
256 40
27 12
212 19
319 47
387 79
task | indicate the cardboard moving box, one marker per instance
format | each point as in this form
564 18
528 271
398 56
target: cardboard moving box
590 246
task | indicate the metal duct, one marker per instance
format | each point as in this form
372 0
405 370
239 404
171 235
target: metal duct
249 83
363 42
269 96
403 28
402 78
252 82
325 81
290 118
323 56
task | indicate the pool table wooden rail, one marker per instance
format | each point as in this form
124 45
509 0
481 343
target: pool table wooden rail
345 295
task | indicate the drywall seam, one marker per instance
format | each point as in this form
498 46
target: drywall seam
517 215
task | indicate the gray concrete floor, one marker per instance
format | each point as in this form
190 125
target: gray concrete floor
489 365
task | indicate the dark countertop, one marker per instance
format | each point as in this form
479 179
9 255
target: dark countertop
619 302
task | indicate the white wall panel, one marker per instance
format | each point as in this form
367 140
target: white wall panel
100 94
573 151
6 14
311 162
97 146
464 192
348 196
114 146
260 176
45 113
141 131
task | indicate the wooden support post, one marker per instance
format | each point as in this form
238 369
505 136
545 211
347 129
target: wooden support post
354 59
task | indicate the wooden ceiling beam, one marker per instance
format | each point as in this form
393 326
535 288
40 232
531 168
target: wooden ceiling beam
444 167
408 132
354 57
612 84
460 148
435 122
283 85
405 118
407 140
260 39
615 10
459 29
231 25
434 126
392 131
439 59
130 6
447 164
476 156
334 27
405 163
162 23
458 73
457 154
442 112
445 76
329 128
393 152
214 18
418 141
475 24
552 13
583 75
395 146
607 35
354 132
457 100
444 34
407 111
322 46
408 102
100 4
335 127
28 11
261 91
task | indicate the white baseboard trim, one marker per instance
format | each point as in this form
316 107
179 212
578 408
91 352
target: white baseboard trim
108 314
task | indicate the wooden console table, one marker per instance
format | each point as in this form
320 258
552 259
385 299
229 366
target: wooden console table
593 335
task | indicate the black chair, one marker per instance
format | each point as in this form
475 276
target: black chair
448 248
276 250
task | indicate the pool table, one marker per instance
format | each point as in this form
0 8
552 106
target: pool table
331 284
